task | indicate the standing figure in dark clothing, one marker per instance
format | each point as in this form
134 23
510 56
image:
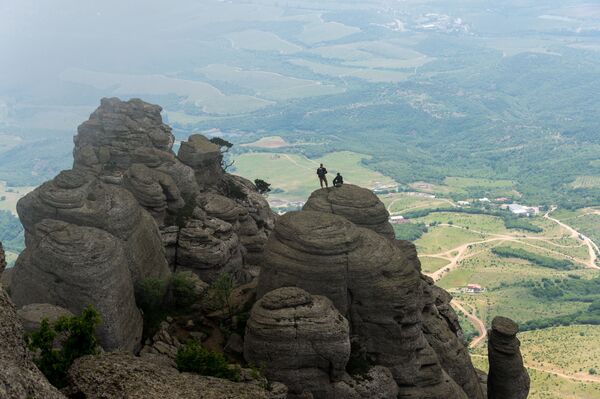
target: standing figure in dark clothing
338 181
321 172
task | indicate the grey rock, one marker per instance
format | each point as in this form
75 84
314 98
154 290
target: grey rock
301 339
208 248
440 325
72 266
120 375
359 205
80 199
507 378
377 383
235 344
203 157
19 378
370 281
31 315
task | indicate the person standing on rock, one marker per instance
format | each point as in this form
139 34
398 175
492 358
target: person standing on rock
322 172
338 181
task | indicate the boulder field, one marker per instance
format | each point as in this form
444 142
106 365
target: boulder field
339 307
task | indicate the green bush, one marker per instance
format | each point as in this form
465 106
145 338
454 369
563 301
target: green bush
183 291
540 260
409 231
79 340
262 186
193 358
158 298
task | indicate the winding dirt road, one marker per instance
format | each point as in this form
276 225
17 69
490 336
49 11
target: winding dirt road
477 323
456 255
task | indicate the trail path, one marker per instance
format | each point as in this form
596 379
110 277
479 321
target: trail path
477 323
557 372
592 247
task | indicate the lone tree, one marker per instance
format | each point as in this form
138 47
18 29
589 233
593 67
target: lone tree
225 146
262 186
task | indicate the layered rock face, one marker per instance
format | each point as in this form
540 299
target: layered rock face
357 204
370 281
126 143
131 210
507 379
303 339
72 266
19 378
442 331
118 375
81 199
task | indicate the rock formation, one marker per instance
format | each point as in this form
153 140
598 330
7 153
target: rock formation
507 379
127 144
302 339
31 316
131 210
370 281
443 332
357 204
19 378
72 266
119 375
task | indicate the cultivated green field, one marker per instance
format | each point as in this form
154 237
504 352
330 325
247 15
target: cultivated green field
296 174
11 196
545 385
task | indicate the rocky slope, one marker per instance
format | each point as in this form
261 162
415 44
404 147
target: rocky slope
342 309
19 378
130 210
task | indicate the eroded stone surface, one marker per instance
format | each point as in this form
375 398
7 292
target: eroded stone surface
119 375
19 378
72 266
370 281
507 378
359 205
302 340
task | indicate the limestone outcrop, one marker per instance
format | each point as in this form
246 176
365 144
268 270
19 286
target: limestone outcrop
301 338
72 266
31 316
80 199
19 378
357 204
131 210
127 144
371 282
507 378
444 335
119 375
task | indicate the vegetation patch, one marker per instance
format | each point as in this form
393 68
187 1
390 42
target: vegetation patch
77 339
409 231
194 358
540 260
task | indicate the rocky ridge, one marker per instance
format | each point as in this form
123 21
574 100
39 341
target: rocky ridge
130 210
342 310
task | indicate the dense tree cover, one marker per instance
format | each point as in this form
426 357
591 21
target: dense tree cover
409 231
540 260
574 288
510 221
589 316
11 232
77 339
